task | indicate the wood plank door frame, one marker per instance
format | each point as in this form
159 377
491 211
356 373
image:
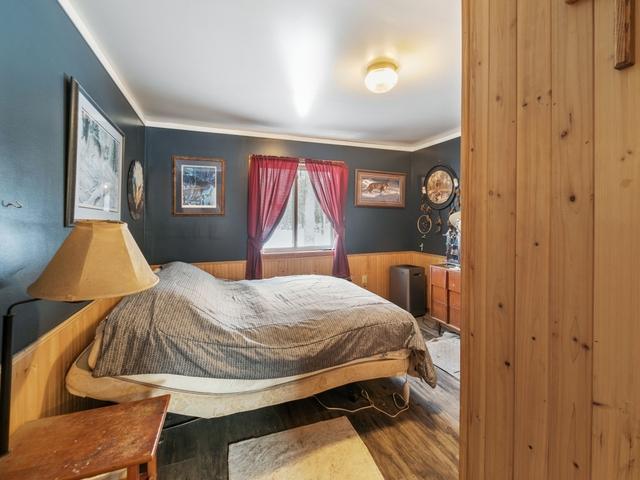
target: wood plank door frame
528 244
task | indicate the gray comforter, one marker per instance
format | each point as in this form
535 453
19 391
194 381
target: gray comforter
194 324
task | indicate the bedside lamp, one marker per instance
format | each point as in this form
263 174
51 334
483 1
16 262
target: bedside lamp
99 259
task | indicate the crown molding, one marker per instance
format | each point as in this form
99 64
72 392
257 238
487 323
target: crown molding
276 136
84 31
94 45
429 142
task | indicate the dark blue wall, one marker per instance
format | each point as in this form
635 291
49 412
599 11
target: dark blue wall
39 46
446 153
214 238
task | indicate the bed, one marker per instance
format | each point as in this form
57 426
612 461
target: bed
221 347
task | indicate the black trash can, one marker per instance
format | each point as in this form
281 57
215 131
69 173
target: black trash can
407 288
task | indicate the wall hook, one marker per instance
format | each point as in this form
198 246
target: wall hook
15 204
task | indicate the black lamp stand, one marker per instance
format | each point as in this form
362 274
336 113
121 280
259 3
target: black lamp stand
5 378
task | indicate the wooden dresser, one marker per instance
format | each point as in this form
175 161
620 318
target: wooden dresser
444 295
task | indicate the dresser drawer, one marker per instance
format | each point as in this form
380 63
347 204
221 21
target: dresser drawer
453 280
438 276
454 317
454 300
439 311
438 294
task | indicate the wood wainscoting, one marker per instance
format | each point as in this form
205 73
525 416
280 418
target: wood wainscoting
369 270
39 371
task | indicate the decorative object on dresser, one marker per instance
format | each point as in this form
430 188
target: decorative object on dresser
135 190
94 161
444 295
453 239
90 442
380 189
198 185
99 259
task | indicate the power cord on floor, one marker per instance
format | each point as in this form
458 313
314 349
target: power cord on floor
402 406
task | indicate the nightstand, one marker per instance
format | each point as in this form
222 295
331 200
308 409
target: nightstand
88 443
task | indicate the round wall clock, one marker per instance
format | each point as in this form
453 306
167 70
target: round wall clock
135 190
440 186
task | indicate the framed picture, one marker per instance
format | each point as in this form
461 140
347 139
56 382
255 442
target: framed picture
94 161
198 186
380 189
135 190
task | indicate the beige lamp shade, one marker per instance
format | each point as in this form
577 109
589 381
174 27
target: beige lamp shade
99 259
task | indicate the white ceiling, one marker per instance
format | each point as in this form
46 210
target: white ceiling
283 67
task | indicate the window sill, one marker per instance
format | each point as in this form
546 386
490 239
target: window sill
281 254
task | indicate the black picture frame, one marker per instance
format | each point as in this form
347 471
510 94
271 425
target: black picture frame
79 98
217 185
454 182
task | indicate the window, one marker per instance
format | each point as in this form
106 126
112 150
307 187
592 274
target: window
304 226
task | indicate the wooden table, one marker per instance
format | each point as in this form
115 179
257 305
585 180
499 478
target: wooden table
87 443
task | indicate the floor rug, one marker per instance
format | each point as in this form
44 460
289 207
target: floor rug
321 451
445 353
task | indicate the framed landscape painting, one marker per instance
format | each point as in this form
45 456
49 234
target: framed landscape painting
198 186
380 189
94 161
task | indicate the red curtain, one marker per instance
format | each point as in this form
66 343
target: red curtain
270 182
330 183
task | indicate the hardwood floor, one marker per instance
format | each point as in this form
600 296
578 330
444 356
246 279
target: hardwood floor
421 443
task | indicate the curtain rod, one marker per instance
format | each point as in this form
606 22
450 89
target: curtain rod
300 159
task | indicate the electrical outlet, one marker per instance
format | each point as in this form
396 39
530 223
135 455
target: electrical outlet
364 281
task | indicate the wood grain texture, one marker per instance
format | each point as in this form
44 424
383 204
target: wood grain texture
84 444
533 243
39 370
500 242
474 241
625 34
527 163
571 243
616 388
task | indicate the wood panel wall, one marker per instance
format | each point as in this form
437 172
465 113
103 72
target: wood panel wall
616 389
39 371
368 270
550 282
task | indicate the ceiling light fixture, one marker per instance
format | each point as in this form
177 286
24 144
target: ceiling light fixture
382 76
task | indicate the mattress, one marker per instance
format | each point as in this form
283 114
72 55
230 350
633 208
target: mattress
200 385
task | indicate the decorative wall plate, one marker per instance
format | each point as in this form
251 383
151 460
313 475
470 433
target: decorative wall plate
135 190
440 186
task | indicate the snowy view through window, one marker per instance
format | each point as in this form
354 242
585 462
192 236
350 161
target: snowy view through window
311 229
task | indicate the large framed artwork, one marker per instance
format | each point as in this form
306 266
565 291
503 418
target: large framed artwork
94 161
380 189
198 186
